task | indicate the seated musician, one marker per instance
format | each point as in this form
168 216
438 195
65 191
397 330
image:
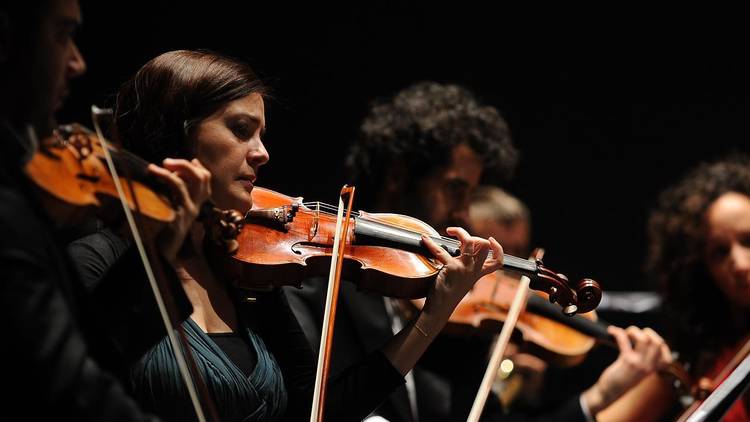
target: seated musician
422 152
253 357
58 348
700 255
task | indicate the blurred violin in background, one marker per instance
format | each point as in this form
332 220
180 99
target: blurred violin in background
544 331
70 168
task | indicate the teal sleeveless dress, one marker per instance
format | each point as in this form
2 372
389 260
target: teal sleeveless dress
259 397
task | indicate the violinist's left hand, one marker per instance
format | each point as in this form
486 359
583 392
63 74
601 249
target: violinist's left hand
460 273
455 279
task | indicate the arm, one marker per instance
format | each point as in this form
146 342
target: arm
453 282
352 394
113 273
118 293
642 352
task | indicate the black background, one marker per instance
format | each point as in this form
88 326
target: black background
606 111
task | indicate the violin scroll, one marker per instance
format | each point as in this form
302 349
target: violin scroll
584 298
222 227
589 295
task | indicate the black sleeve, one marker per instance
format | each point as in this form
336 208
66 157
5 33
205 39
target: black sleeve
352 394
112 273
47 366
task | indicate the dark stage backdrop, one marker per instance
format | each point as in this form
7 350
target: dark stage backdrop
604 118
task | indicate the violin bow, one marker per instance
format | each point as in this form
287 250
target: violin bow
329 316
498 351
168 313
733 380
723 397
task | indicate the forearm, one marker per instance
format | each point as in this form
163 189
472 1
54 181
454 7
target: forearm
118 291
593 400
406 347
454 280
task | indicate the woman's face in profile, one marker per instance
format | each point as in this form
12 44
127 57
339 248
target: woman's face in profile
228 143
727 251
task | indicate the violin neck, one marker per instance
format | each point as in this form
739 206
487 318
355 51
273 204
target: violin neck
598 330
376 233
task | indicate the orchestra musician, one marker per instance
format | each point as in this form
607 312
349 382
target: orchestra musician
494 212
424 151
58 348
253 357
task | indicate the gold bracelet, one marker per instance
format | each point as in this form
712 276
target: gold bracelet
421 331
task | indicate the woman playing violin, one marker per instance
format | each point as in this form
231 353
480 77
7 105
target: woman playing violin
54 347
700 255
255 360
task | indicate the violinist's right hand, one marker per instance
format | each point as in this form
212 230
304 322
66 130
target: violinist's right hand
642 351
190 183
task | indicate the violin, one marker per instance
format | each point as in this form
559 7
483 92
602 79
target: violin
707 390
544 331
565 340
70 168
692 393
285 240
77 173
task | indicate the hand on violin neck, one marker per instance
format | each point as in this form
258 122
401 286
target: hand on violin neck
190 184
460 273
642 352
455 279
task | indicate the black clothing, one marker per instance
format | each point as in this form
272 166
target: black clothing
446 378
237 349
351 394
51 372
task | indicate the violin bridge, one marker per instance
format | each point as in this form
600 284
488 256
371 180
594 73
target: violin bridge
314 226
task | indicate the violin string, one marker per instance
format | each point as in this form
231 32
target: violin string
314 206
447 240
314 213
317 207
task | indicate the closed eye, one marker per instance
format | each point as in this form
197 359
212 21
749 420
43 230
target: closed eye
241 130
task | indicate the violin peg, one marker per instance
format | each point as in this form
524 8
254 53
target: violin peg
552 294
232 246
570 310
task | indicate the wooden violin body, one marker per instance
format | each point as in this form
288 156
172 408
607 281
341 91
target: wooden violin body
283 239
276 249
71 169
486 307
